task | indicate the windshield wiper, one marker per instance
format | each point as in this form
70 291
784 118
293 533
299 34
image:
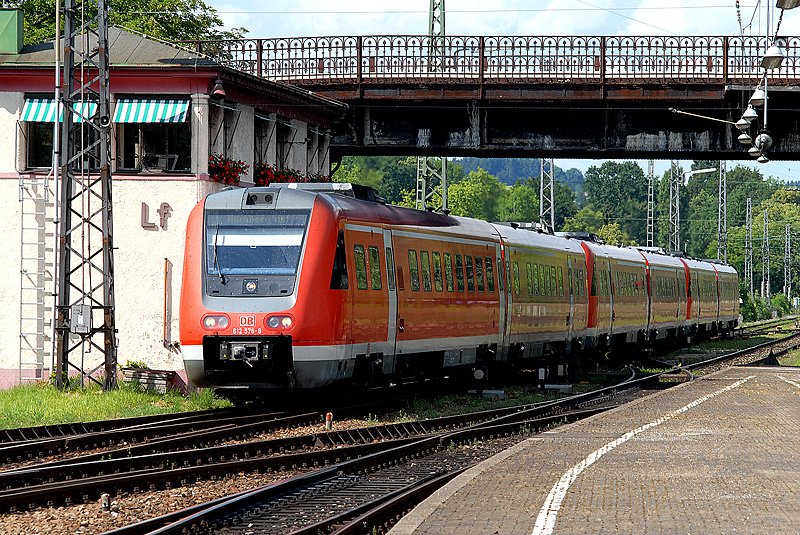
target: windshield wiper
216 259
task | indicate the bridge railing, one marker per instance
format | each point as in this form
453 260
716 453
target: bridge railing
551 59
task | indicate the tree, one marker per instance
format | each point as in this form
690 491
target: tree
619 191
612 233
564 200
169 20
585 220
399 175
476 196
519 203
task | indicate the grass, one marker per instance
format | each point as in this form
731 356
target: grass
42 403
792 358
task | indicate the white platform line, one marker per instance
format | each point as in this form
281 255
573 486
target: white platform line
789 381
548 514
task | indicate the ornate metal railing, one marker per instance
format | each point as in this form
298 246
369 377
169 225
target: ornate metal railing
556 59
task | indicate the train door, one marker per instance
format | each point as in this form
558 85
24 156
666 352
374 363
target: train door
391 333
501 319
571 317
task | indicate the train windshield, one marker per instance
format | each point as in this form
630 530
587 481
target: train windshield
264 242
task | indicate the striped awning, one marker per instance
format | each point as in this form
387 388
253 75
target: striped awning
147 110
43 110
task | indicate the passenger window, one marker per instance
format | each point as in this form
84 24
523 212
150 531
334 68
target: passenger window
339 272
390 267
516 277
479 272
361 267
500 274
426 270
460 273
535 277
413 270
470 274
437 271
490 275
375 267
560 281
448 272
529 277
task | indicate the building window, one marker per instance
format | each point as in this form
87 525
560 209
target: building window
39 114
263 133
284 135
153 134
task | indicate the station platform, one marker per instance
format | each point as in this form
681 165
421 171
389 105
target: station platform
718 455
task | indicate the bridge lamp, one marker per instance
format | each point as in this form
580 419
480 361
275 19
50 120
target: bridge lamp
749 114
773 58
744 139
787 4
759 96
742 124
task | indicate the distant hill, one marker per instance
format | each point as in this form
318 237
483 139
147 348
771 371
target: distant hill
511 170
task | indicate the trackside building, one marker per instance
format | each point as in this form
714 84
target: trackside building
172 110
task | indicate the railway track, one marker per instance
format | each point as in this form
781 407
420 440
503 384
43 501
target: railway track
375 488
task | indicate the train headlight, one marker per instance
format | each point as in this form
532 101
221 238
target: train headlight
280 322
216 322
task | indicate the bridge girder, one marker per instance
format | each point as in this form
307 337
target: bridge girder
515 120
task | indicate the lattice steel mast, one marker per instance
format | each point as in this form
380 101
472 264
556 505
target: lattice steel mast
722 214
787 263
748 246
546 186
651 205
675 179
765 258
85 290
427 176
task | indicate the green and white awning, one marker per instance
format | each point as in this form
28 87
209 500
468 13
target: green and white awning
142 110
43 110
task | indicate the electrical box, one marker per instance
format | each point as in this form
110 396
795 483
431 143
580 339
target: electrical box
80 321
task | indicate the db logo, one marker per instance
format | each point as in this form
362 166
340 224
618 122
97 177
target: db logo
247 321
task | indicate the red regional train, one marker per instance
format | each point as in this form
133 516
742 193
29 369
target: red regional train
308 285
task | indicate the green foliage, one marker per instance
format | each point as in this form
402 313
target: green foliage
168 20
755 309
613 234
519 203
138 364
475 196
41 404
619 191
585 220
780 303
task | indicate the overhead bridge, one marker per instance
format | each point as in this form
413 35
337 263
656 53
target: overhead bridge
563 96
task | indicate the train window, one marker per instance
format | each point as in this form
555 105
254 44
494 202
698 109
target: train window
479 272
425 264
390 267
448 272
459 273
529 277
470 274
489 275
500 274
361 266
254 242
516 277
413 269
437 271
535 279
339 272
560 281
375 267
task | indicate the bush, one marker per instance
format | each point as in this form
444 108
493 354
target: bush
226 170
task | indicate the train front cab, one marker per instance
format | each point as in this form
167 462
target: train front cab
251 301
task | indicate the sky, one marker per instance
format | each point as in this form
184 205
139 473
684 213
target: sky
301 18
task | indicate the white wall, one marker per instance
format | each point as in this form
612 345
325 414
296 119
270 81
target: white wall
11 140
